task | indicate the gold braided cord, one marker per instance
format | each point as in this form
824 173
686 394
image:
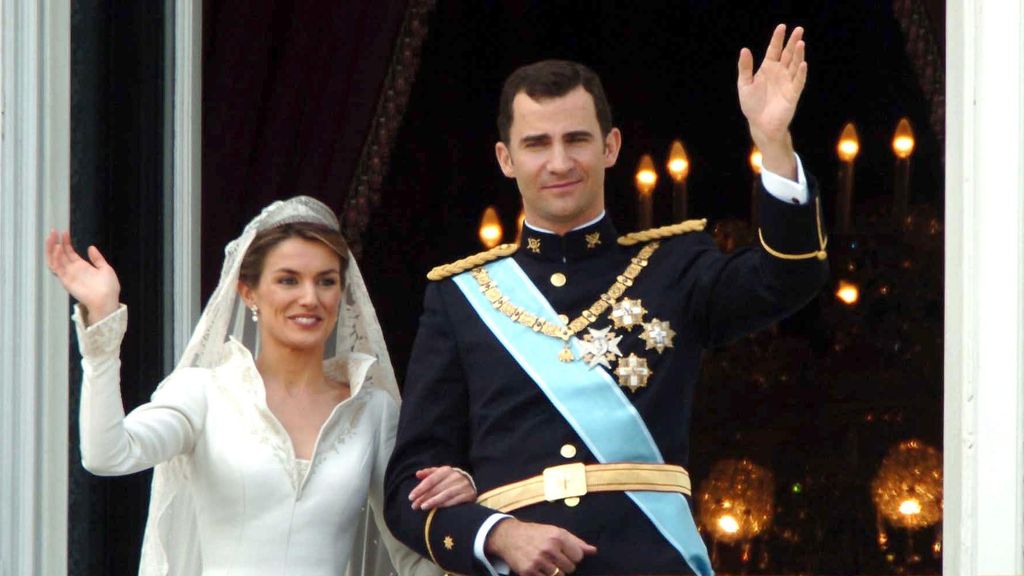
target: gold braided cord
459 266
426 534
820 253
683 227
426 537
556 330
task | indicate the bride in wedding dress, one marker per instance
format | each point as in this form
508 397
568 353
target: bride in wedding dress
271 437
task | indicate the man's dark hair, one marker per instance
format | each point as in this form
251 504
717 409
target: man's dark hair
552 79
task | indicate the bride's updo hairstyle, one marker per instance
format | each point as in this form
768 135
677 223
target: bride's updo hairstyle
265 240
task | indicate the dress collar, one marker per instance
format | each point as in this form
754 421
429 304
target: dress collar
351 367
588 240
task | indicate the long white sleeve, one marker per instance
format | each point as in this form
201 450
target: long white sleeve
168 425
405 561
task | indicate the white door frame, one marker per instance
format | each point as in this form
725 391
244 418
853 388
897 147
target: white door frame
984 325
34 197
184 250
983 531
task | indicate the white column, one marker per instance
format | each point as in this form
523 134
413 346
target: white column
34 196
184 249
984 366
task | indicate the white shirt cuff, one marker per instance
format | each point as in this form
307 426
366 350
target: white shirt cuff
785 189
499 566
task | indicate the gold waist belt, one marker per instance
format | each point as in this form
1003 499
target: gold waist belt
575 480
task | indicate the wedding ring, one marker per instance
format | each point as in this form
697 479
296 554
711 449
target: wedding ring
556 572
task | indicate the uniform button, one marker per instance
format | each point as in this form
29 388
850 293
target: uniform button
568 451
558 279
572 502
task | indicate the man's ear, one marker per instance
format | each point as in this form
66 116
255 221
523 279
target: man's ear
612 145
504 159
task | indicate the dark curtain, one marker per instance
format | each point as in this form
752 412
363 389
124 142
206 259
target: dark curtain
117 184
289 90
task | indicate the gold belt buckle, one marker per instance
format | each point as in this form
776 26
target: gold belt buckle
565 481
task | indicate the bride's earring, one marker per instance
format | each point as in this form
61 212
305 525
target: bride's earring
255 313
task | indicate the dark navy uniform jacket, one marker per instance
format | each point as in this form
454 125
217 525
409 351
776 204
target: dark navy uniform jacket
467 403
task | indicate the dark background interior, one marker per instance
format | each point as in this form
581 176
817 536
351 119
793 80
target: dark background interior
290 91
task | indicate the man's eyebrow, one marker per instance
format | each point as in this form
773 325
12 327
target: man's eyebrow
577 134
535 138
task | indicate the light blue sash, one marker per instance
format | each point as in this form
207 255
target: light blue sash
592 403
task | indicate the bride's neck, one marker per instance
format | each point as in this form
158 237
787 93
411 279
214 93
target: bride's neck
291 369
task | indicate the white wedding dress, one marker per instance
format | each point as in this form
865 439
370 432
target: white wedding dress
258 509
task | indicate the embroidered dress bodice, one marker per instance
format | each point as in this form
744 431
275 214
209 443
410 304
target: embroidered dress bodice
259 509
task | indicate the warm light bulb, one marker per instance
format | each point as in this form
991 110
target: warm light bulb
848 292
903 140
756 160
490 228
678 168
728 524
910 507
646 177
678 162
520 221
849 143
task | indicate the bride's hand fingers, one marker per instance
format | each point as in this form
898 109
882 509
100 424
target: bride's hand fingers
440 480
424 472
97 258
454 489
52 248
69 253
427 484
449 497
57 246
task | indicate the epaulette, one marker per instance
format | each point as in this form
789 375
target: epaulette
459 266
683 227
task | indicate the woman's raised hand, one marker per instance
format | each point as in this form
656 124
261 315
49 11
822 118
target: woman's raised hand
94 284
441 487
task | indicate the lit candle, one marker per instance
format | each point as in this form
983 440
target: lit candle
756 163
490 228
520 221
646 180
847 149
902 147
679 169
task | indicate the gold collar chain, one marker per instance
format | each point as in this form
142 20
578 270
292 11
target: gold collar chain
557 330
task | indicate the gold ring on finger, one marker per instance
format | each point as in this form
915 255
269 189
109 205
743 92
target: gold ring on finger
556 572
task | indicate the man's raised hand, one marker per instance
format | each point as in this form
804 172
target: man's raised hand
768 98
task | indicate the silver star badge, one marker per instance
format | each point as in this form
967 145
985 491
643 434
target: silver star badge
600 347
633 372
658 334
627 313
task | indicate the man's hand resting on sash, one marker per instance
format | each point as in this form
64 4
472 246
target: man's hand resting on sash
536 549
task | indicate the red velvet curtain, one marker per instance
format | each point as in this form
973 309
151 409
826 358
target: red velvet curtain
289 90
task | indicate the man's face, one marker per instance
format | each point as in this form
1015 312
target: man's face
557 155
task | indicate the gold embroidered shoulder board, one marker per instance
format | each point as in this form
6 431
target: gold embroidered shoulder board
470 262
683 227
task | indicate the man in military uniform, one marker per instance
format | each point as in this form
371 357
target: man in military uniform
560 372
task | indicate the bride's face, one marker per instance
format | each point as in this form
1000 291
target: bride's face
298 294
